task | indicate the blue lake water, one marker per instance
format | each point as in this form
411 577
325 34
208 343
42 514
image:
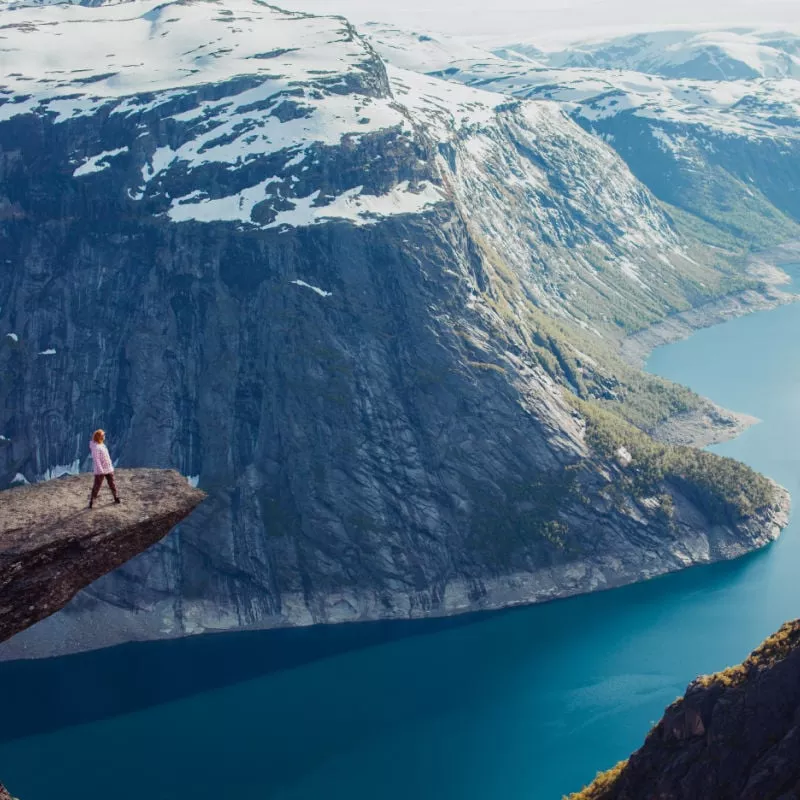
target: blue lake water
522 705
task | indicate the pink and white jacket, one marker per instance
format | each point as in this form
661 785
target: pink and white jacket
101 458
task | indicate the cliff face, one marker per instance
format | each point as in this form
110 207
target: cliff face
52 545
334 295
735 735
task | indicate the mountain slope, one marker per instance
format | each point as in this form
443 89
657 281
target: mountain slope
371 313
725 151
733 736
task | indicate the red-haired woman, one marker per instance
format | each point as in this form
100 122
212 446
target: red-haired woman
103 468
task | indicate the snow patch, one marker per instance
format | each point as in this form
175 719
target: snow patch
61 470
320 292
13 337
98 163
49 352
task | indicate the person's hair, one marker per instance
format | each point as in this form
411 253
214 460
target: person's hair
99 436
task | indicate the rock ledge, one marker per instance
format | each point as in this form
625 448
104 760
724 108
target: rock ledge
52 545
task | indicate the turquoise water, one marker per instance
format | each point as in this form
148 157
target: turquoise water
524 705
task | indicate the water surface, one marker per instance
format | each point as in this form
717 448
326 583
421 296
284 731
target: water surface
523 705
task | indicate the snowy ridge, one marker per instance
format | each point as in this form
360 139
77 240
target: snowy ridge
324 87
422 51
755 107
676 53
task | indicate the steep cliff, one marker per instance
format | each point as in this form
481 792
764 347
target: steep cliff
358 306
52 545
735 735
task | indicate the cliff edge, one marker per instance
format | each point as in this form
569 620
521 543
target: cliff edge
52 545
735 734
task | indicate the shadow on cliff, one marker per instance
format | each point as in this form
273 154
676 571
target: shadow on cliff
39 696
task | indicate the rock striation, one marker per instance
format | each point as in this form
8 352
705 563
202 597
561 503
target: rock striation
735 735
52 545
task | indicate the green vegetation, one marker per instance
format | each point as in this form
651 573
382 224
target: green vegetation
726 490
623 406
524 513
774 649
600 788
726 209
646 401
590 367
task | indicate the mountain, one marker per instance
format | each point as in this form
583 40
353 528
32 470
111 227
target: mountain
705 54
733 736
721 154
717 55
375 315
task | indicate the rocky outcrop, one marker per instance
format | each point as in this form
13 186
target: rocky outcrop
52 545
734 735
4 795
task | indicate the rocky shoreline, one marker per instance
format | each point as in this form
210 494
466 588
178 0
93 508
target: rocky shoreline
732 736
712 424
635 348
643 552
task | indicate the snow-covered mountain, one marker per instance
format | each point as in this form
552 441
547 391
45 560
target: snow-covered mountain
270 136
351 301
675 53
758 108
725 150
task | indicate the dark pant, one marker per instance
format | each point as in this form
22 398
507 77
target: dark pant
98 482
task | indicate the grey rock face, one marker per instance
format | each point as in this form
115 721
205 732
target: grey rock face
356 390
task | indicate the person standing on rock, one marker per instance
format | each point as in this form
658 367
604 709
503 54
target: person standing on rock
103 468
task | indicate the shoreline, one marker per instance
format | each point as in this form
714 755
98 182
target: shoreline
712 424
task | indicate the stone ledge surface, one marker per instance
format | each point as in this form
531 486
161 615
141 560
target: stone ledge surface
52 545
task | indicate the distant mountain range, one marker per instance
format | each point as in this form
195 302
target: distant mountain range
723 149
734 54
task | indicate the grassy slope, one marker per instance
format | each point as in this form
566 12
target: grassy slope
622 405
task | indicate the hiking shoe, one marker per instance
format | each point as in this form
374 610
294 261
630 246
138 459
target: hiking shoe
117 501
